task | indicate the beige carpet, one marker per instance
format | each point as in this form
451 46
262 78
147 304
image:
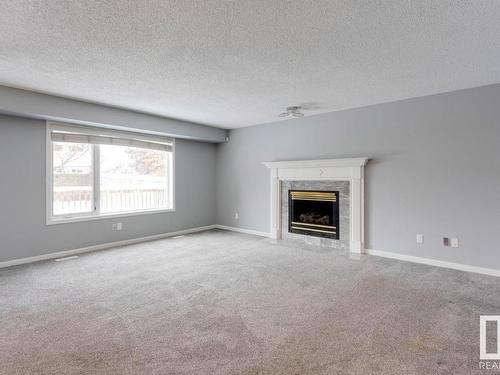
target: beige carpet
225 303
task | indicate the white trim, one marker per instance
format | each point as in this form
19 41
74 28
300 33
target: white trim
434 262
242 230
351 170
108 245
75 219
48 175
172 177
96 214
96 181
322 163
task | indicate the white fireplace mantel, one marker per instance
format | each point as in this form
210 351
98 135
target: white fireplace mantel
351 170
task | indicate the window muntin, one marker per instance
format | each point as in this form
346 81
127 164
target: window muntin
97 173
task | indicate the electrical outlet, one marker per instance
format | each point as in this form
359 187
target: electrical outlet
454 242
236 216
446 241
117 226
420 238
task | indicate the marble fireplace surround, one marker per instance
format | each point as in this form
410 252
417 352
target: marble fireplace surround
351 170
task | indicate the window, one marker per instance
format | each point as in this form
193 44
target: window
94 173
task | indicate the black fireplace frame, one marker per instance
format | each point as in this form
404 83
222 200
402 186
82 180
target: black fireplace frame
335 216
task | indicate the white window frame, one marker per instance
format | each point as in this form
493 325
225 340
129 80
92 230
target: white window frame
95 214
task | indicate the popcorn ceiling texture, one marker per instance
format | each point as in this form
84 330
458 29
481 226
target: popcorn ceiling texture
239 63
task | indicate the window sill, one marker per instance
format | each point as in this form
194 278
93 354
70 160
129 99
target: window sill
76 219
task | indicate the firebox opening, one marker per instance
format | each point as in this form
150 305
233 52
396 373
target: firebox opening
314 213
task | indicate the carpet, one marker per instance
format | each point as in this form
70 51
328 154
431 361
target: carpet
219 302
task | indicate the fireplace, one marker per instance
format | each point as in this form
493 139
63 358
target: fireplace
345 176
314 213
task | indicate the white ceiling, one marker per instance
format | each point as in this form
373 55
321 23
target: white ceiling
239 63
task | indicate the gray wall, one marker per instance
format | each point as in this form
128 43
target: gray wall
23 232
435 170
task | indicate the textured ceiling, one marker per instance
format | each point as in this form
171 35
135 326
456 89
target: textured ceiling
239 63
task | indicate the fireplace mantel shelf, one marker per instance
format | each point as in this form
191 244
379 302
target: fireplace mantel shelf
348 162
351 169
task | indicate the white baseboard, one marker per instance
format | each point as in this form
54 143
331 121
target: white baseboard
388 254
108 245
61 254
434 262
241 230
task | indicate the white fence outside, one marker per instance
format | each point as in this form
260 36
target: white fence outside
145 192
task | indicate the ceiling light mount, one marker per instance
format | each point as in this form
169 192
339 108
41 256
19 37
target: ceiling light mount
293 111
